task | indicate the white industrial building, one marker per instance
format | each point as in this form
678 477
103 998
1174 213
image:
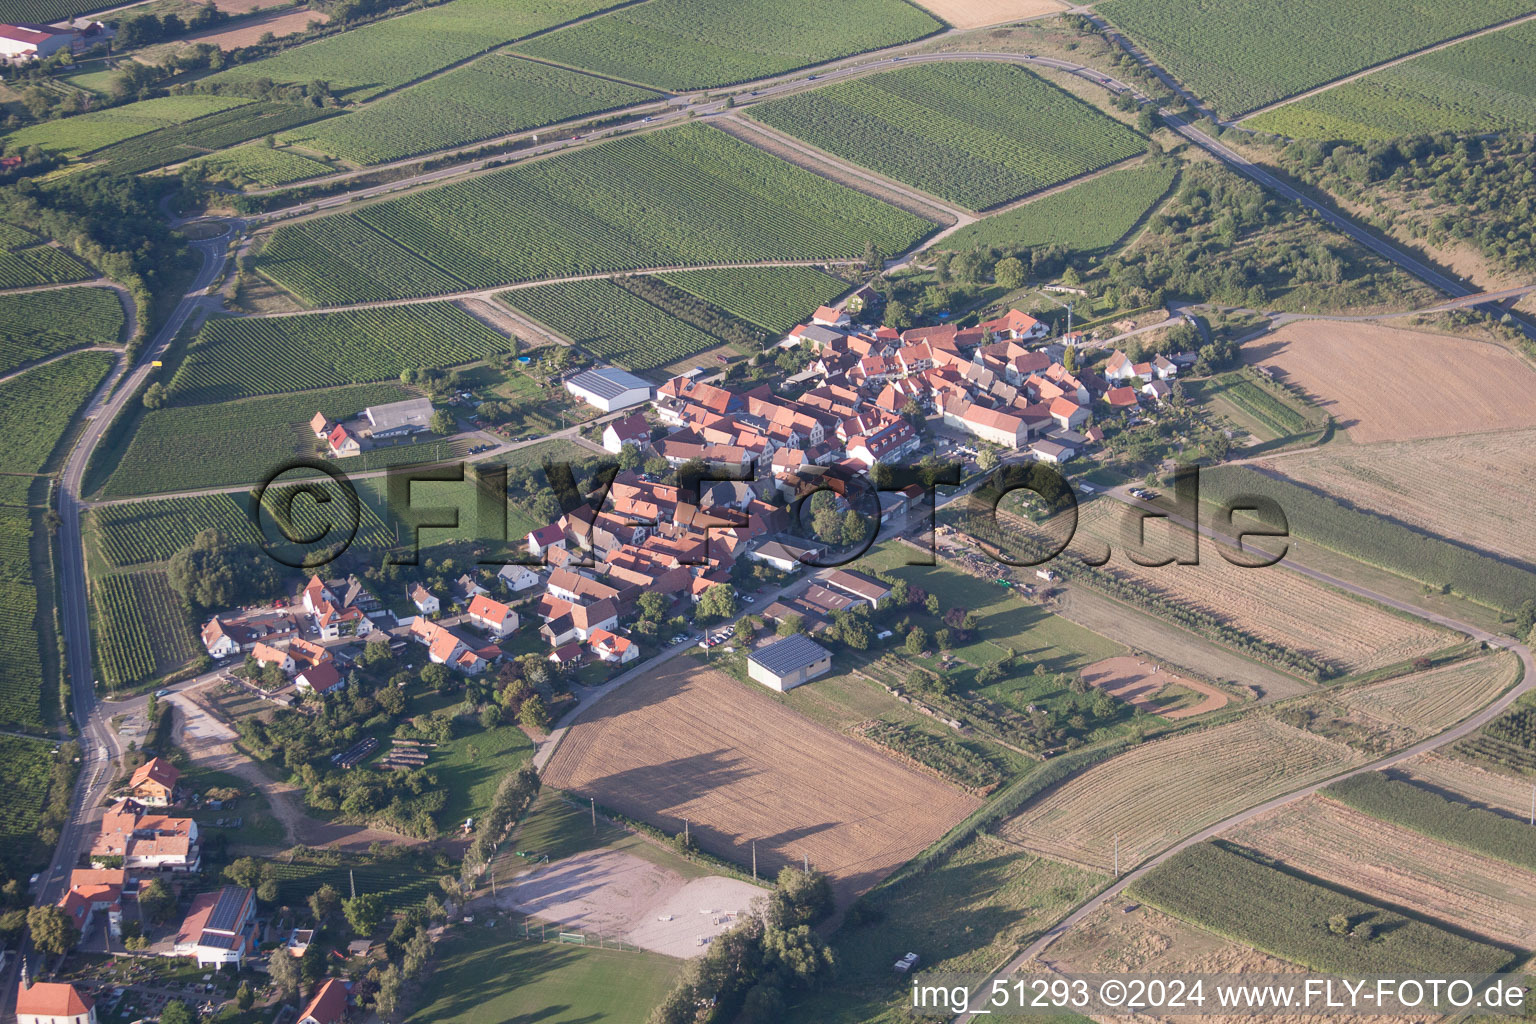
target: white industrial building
609 388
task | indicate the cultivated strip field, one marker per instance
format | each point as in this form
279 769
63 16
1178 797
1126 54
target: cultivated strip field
1430 484
1398 866
1431 702
25 768
683 196
1482 85
685 743
86 132
1271 603
396 51
496 95
21 670
35 325
143 628
1371 379
35 410
259 165
1159 792
1237 56
771 297
977 134
1459 780
1145 685
975 13
696 44
1089 217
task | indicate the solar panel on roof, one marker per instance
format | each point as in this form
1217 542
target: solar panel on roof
791 653
226 912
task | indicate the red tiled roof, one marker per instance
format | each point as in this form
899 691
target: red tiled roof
51 999
155 770
329 1004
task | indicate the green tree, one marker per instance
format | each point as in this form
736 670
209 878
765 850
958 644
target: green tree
791 624
827 525
897 315
51 930
490 716
932 604
391 698
656 467
177 1012
444 423
245 996
1009 274
156 901
986 458
155 396
855 527
286 974
630 457
214 571
651 605
324 902
917 640
364 912
533 714
387 999
717 602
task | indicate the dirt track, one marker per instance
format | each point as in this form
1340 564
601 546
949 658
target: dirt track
1139 683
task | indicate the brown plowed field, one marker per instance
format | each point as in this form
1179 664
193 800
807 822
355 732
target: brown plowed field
1157 793
689 743
1431 702
1473 489
1139 682
1386 384
1397 866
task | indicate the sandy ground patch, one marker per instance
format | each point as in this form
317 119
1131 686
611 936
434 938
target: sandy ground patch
686 743
1399 867
1386 384
627 897
1139 683
976 13
284 22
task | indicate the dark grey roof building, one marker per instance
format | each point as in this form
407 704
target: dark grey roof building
785 664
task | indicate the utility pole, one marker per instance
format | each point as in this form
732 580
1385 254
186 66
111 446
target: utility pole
1533 803
352 879
754 855
594 814
807 858
1117 854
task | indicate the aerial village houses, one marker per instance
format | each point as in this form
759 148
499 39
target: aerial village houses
495 618
138 840
329 1005
219 927
153 783
95 891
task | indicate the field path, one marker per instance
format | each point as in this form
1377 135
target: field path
1464 728
56 357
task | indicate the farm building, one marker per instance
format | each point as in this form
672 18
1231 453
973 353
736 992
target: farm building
31 42
1050 451
783 557
51 1002
785 664
830 316
399 418
218 927
859 585
343 443
609 388
328 1006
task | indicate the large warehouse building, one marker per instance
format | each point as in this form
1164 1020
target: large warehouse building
785 664
609 388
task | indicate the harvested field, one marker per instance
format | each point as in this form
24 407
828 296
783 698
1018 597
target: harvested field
623 896
685 743
282 22
1456 779
1273 604
1431 702
1142 684
1473 490
1160 792
1145 940
1372 379
976 13
1393 865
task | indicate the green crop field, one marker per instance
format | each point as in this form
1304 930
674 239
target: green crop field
402 883
773 298
611 323
396 51
236 358
975 134
35 410
85 133
26 766
695 44
12 236
41 264
143 532
184 448
21 668
259 165
1087 218
1508 741
1377 540
1486 84
37 11
143 629
496 95
685 196
486 977
1237 56
192 139
1421 810
1221 889
35 325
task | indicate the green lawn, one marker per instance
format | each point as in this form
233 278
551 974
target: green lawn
259 827
485 976
469 768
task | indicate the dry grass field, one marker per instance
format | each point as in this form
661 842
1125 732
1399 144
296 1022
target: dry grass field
1393 865
1115 940
1146 685
1387 384
1471 489
1272 603
280 22
1160 792
976 13
689 743
1456 779
1431 702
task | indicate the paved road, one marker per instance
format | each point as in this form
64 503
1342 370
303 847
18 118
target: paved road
1457 732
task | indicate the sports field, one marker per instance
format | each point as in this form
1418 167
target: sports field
1371 379
977 134
687 743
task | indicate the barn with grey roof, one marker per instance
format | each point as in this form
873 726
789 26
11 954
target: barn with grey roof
785 664
609 388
